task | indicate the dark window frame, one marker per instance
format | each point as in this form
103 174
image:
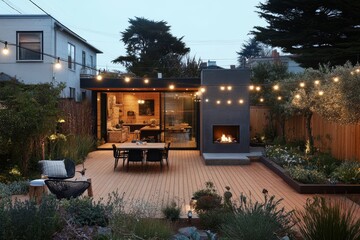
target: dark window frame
20 46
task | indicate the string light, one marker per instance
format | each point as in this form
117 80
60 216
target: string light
258 88
6 49
241 101
229 88
171 87
276 87
202 90
321 93
222 88
261 99
316 82
336 79
218 102
99 77
58 64
279 98
127 79
297 96
229 102
207 100
302 84
251 87
146 81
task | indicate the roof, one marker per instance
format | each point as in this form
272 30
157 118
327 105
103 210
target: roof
58 25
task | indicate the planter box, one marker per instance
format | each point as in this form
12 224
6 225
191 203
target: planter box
310 188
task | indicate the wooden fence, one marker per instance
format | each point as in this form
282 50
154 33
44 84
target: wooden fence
343 141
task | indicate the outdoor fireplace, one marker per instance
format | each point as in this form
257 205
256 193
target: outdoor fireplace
225 134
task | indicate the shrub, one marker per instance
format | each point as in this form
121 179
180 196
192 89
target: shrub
323 219
259 220
152 229
85 211
207 198
26 220
213 219
324 163
347 172
172 211
304 175
283 156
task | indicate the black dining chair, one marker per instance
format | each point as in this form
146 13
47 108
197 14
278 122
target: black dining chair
135 155
119 154
166 154
154 155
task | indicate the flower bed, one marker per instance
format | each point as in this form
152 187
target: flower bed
319 174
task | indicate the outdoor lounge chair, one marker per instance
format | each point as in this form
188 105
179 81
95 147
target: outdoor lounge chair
57 169
66 189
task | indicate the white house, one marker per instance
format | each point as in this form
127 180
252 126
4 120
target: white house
36 43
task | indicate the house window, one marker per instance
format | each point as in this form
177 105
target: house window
71 56
30 46
72 92
83 59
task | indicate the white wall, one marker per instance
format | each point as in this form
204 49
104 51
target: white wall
55 43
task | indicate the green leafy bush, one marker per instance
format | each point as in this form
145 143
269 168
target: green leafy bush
330 220
171 211
213 219
348 172
304 175
26 220
86 212
258 220
324 163
152 229
207 198
284 156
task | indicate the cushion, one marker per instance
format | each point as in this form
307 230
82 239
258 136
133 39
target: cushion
53 168
37 182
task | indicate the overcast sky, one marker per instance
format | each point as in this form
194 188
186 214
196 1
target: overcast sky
214 30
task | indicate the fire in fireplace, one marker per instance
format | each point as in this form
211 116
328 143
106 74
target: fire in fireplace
226 133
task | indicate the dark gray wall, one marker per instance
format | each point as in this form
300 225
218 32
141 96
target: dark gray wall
224 113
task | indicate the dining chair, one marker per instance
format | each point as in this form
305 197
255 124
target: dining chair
135 155
117 153
154 155
166 154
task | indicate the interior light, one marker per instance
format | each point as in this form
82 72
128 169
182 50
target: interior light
58 64
6 49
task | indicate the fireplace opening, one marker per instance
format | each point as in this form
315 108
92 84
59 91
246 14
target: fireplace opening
226 134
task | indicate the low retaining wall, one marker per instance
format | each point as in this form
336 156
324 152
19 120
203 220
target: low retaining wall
311 188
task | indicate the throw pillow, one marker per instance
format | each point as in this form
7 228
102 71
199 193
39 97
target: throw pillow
53 168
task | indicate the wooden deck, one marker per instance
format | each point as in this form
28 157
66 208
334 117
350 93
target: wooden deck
186 174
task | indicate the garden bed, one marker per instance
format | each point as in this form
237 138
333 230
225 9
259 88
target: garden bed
303 188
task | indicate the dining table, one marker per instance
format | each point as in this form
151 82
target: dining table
140 145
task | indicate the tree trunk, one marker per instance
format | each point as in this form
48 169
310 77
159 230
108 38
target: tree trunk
310 139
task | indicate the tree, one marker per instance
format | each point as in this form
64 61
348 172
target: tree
28 115
267 75
252 49
316 32
151 48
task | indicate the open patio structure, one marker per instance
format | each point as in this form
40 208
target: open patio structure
186 174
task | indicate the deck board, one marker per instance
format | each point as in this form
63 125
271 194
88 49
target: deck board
186 174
